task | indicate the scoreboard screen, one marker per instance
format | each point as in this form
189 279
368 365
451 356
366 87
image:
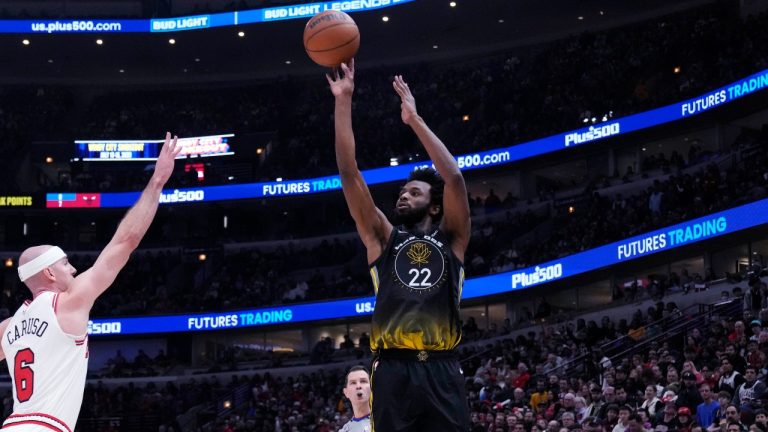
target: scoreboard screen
148 150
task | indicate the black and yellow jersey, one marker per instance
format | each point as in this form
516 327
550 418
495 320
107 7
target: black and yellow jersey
418 282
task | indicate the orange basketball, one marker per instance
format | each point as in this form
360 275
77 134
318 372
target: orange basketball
331 38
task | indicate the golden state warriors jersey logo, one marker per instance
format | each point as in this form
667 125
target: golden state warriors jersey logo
419 264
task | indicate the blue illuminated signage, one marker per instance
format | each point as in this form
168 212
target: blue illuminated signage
484 159
725 222
196 22
234 319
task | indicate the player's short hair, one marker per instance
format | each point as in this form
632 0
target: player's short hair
355 369
432 177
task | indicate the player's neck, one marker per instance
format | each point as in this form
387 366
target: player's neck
36 293
361 411
425 226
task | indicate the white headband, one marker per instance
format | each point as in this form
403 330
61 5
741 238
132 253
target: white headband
45 259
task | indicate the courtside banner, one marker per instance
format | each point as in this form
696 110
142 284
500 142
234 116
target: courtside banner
195 22
665 239
495 157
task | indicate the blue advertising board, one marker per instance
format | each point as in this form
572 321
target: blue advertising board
196 22
665 239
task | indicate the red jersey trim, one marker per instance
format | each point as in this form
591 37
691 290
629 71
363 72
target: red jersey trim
55 302
34 422
14 419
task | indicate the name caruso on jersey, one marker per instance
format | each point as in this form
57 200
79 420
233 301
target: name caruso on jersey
29 326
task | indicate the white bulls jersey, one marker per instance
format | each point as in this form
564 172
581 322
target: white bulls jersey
47 367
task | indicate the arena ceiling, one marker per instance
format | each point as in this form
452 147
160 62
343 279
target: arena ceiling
418 31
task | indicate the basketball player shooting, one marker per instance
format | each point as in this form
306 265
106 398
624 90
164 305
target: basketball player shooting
417 273
46 341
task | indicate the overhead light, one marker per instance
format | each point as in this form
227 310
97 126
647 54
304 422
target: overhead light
676 69
241 33
259 150
385 18
202 257
435 47
122 71
99 42
50 60
287 62
452 4
580 18
197 59
465 117
172 41
602 13
185 70
25 41
9 262
48 159
393 162
501 21
279 179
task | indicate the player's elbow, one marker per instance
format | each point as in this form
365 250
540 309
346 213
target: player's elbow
348 173
454 179
128 240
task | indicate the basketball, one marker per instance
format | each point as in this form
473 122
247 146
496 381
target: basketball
331 38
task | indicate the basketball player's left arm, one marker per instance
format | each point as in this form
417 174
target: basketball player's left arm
456 218
3 326
93 282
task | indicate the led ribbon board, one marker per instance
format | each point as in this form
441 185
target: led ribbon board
665 239
149 150
559 142
196 22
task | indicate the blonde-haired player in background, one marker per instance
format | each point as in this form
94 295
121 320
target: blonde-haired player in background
46 341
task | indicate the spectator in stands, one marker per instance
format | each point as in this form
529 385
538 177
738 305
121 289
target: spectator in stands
706 410
730 379
689 396
748 395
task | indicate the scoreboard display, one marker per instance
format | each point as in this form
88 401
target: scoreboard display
148 150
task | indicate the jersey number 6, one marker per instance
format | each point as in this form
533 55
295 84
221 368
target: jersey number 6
23 375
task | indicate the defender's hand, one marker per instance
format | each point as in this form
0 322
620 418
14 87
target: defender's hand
167 159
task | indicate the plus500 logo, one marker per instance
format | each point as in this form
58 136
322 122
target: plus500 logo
104 328
537 276
593 133
182 196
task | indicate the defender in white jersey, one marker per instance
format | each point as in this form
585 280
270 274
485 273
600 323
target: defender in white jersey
46 341
357 388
